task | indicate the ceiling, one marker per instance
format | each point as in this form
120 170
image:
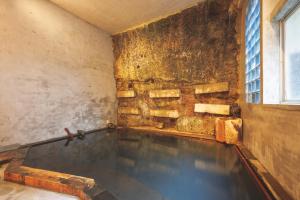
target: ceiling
115 16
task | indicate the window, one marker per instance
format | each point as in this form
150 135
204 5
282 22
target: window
253 52
291 57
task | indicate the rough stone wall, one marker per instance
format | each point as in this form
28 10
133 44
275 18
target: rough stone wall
197 46
56 71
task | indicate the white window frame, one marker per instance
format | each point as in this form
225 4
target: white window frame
283 99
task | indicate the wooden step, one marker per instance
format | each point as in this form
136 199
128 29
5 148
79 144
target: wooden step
175 93
212 109
212 88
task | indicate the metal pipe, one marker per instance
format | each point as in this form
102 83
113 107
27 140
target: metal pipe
62 138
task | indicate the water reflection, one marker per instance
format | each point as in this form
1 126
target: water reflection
136 166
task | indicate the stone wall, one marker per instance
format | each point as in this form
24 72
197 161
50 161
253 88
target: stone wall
194 47
56 71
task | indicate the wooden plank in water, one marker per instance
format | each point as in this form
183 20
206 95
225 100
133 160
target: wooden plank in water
212 88
212 109
165 113
175 93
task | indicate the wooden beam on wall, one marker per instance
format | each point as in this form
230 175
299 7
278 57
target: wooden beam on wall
212 109
212 88
126 94
175 93
164 113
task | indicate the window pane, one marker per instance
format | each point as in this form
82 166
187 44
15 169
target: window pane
292 57
252 67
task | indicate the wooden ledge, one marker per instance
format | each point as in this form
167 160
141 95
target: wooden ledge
170 132
267 183
54 181
81 187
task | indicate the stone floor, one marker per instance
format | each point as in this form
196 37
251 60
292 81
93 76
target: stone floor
11 191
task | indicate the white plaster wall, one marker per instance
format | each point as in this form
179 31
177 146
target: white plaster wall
271 54
56 71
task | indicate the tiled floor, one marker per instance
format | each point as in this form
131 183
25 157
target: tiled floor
11 191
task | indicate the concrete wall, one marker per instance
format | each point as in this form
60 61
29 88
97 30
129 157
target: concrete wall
56 71
272 132
196 46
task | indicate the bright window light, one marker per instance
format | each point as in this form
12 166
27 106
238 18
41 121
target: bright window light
253 52
291 56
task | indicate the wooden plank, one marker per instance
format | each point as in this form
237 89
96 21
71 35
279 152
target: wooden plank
49 180
54 181
126 94
175 93
128 110
212 88
212 109
164 113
